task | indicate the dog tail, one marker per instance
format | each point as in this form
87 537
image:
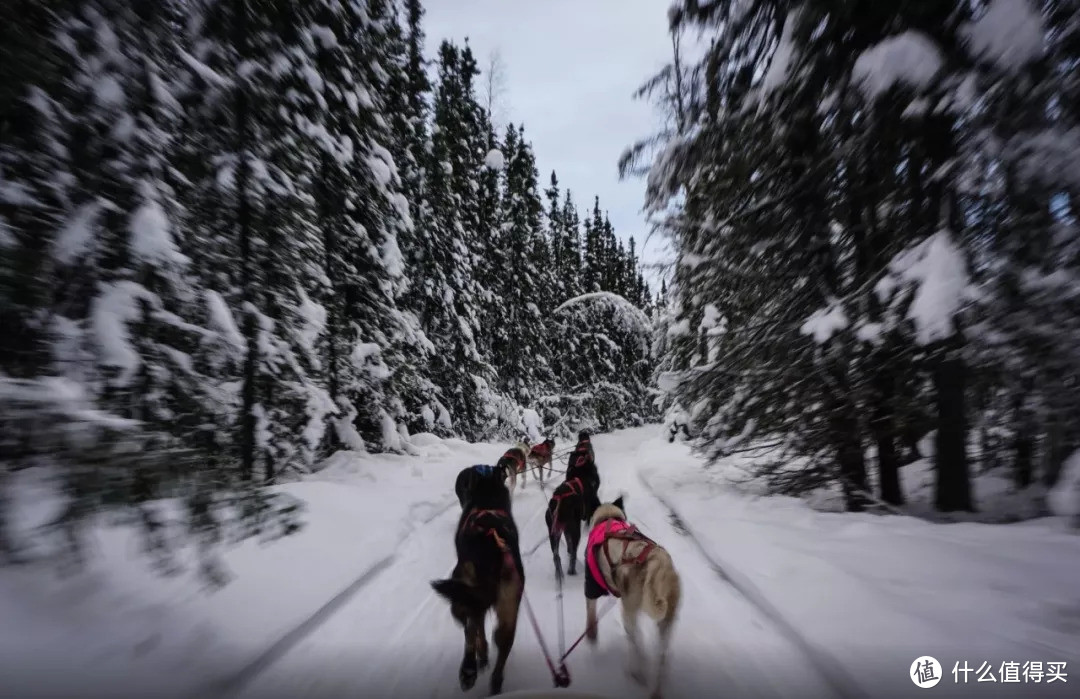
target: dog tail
459 592
663 589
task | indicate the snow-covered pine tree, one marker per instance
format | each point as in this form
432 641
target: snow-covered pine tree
524 371
410 393
918 131
570 265
449 312
253 210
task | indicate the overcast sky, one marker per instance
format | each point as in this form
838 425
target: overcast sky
571 67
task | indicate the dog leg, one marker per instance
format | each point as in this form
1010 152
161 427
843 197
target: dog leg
590 621
573 540
467 673
553 539
481 646
664 626
636 668
506 611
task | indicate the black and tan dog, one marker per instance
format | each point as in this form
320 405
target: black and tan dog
489 573
469 477
582 465
565 511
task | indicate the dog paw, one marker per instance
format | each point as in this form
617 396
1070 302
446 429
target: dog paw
590 636
481 659
467 676
496 684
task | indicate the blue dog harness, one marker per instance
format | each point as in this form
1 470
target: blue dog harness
484 469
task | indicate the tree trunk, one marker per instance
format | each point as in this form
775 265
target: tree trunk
1023 443
953 483
850 459
247 281
883 427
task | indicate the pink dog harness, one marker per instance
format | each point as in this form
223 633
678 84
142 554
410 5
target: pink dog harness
613 529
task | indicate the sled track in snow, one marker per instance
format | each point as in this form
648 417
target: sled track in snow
231 684
234 682
829 669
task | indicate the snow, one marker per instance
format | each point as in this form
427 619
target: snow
910 58
627 316
204 71
76 237
221 320
116 306
108 91
346 430
779 599
937 268
495 160
151 237
781 62
313 318
1010 34
823 323
534 425
62 397
392 258
1064 498
380 170
390 437
7 236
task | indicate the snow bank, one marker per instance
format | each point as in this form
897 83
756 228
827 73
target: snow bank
120 627
1064 498
911 58
1009 34
866 588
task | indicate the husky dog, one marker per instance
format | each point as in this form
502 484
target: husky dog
623 562
468 477
515 460
540 456
489 574
565 512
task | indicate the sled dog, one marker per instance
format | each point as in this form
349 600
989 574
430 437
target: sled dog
623 562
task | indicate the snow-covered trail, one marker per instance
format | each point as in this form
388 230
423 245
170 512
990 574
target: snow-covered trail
779 599
397 638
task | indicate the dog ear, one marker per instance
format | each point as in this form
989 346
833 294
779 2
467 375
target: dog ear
619 503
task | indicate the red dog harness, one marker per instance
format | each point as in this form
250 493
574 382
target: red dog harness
543 450
598 538
568 489
471 523
517 457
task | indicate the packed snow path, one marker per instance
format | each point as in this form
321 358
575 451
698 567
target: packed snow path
779 599
397 638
